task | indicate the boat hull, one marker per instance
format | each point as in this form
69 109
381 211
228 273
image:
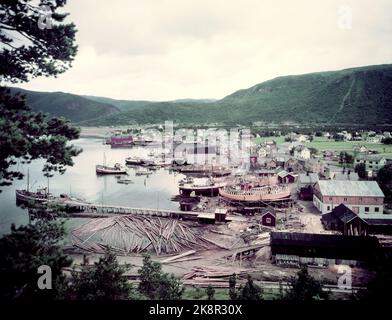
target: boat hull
254 197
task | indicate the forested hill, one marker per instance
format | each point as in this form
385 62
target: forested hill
358 95
71 106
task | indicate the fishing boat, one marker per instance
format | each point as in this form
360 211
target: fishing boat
104 169
41 195
117 169
25 195
250 193
133 161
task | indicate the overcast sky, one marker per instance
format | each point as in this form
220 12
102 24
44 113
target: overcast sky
171 49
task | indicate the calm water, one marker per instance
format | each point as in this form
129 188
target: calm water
82 182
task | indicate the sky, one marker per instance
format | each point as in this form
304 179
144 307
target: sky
174 49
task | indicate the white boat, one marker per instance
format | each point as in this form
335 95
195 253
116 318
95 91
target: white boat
104 169
117 169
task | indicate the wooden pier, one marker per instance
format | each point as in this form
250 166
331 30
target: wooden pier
84 209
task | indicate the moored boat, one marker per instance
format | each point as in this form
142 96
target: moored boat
41 195
117 169
133 161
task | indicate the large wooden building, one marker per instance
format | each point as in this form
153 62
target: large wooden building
293 249
362 197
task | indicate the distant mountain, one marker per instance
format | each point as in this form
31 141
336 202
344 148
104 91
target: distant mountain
120 104
71 106
351 96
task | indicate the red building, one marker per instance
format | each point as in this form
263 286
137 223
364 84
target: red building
268 217
121 141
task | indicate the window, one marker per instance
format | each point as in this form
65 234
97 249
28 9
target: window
268 220
345 199
328 208
330 198
366 209
377 209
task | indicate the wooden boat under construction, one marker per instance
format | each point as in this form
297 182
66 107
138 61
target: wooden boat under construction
255 194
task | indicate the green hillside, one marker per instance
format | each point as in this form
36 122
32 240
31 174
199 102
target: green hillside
70 106
351 96
347 96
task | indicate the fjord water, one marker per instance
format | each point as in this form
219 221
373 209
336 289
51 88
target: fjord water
81 181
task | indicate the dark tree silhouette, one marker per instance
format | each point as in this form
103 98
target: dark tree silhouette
27 51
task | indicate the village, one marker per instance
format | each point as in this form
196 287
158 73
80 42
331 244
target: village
274 207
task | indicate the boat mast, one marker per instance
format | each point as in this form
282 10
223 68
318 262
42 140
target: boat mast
28 179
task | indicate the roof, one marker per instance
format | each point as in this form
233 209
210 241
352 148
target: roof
308 178
268 210
343 213
323 240
353 176
381 222
350 188
283 173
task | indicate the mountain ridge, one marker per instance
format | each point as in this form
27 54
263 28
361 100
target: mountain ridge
351 95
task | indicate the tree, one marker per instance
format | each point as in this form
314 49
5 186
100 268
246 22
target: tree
384 179
378 288
313 151
232 288
303 287
157 285
360 169
169 288
26 52
210 292
104 281
250 291
387 140
23 251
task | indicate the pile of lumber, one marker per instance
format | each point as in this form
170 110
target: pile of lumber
129 233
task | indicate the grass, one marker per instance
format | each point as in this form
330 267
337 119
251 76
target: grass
201 294
322 144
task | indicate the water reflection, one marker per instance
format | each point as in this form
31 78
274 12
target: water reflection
148 191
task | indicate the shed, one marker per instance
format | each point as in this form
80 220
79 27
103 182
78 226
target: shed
220 214
345 220
268 217
285 177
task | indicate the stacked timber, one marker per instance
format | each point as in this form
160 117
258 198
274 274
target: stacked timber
136 234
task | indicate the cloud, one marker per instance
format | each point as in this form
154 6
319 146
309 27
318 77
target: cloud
169 49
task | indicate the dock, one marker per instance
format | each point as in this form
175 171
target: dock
92 210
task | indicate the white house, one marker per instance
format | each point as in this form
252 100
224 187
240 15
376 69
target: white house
302 152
